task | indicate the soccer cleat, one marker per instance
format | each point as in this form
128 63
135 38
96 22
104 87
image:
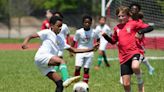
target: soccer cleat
71 80
151 71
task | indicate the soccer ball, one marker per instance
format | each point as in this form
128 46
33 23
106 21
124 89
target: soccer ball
81 87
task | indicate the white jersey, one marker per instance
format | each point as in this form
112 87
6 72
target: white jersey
106 29
51 43
64 31
85 39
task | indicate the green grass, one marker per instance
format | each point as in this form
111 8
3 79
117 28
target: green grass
14 40
18 73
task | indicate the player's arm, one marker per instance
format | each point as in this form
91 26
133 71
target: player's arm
27 39
145 30
75 50
109 39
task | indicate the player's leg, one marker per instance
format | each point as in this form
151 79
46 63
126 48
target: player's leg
136 69
148 65
64 71
126 72
78 64
60 54
87 64
57 80
105 59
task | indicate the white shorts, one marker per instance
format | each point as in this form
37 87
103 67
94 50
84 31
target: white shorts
103 45
82 61
60 53
41 62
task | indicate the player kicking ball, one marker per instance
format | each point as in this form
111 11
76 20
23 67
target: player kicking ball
47 55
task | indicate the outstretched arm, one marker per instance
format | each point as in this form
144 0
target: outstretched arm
146 30
27 39
75 50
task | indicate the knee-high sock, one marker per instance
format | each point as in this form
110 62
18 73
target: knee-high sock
99 60
64 72
105 60
56 68
146 62
86 78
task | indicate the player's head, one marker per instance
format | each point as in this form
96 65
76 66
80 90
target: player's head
102 20
48 14
87 22
123 14
56 13
135 8
56 24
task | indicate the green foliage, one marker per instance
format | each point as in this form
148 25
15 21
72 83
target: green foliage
161 3
18 73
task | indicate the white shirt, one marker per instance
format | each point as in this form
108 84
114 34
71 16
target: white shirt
106 29
51 43
85 40
64 31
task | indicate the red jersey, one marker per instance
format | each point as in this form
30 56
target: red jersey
141 41
45 25
124 35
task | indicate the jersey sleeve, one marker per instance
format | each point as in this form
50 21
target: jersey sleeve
76 36
141 25
43 34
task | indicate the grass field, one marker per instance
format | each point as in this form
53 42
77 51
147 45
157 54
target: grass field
19 74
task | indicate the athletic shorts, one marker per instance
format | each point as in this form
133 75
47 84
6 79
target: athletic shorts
41 62
103 45
126 68
82 61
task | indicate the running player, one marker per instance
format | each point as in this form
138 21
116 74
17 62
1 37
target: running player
103 43
85 38
46 57
129 53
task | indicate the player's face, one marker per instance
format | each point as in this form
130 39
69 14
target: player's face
134 9
122 17
87 24
102 21
48 14
57 27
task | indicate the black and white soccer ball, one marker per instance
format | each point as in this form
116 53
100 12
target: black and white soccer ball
81 87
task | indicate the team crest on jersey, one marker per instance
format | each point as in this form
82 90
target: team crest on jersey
128 29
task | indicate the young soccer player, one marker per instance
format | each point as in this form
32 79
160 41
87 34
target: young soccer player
129 53
103 43
46 24
47 55
85 38
137 15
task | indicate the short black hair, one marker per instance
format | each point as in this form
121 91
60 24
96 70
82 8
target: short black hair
60 14
54 19
135 4
87 17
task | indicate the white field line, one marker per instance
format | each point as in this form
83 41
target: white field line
150 58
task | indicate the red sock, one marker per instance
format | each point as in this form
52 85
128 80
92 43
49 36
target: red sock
86 78
76 73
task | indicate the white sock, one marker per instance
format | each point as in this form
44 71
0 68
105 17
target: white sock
146 62
139 78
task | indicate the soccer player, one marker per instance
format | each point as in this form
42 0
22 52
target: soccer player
85 38
129 53
103 43
47 55
65 33
46 24
137 15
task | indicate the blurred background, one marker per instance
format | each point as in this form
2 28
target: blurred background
19 18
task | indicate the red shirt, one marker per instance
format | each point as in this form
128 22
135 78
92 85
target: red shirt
141 41
45 25
124 35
